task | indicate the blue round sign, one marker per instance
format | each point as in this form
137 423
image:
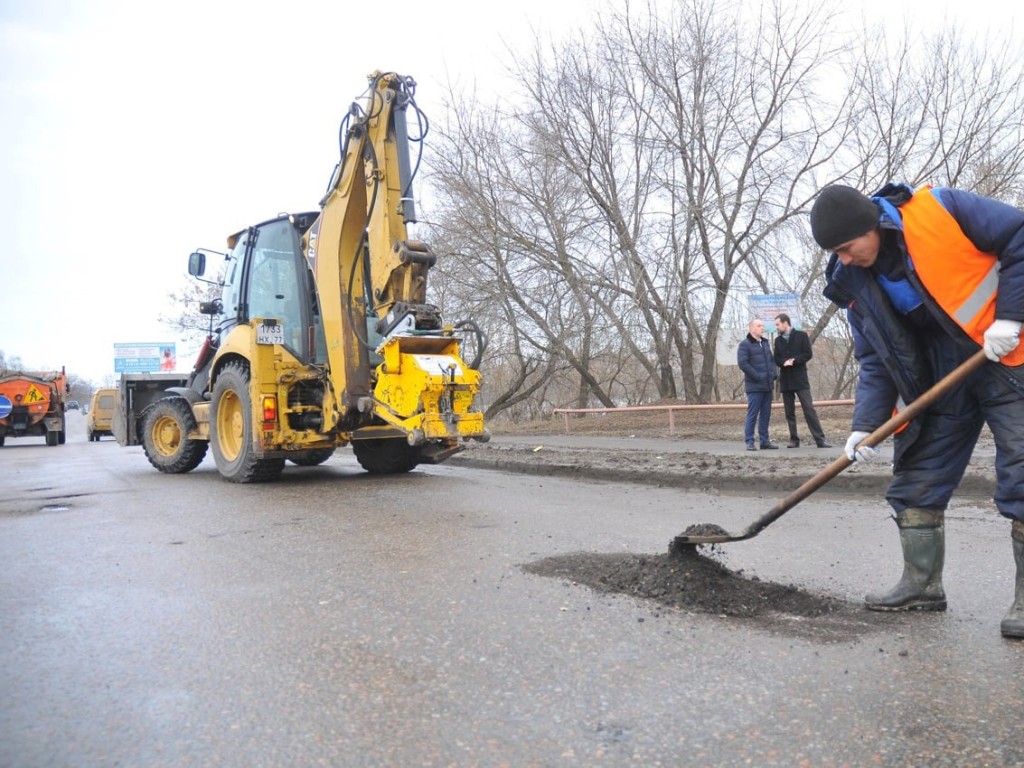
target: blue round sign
5 406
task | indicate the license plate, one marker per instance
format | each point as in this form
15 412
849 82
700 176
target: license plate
270 334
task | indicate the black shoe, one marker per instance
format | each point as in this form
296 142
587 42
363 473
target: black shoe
751 447
769 447
793 444
824 445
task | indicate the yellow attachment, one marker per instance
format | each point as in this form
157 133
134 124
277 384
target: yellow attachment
425 388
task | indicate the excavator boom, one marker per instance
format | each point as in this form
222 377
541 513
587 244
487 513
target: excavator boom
387 347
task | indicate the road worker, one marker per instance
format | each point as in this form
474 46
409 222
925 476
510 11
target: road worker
928 276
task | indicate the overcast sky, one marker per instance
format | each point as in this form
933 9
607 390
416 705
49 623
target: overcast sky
132 133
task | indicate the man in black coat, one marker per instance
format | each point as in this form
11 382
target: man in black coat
792 353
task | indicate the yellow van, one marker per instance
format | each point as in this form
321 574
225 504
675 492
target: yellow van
101 414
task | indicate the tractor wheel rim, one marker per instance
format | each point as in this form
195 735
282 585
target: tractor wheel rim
230 425
166 436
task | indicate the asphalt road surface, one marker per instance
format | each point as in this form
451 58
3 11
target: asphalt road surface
339 619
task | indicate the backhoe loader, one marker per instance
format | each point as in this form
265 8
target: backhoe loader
325 337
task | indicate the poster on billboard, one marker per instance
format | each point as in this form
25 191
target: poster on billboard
144 357
766 307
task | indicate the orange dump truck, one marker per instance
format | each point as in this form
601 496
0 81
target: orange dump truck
32 404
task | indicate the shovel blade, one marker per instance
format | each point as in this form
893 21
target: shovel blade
717 538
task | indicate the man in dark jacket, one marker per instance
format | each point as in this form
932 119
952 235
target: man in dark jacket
755 360
928 277
792 353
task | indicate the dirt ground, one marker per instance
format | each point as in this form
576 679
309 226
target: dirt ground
729 468
692 579
725 423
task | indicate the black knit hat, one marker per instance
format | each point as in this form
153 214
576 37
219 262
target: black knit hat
841 214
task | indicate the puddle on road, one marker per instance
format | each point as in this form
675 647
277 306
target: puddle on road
27 506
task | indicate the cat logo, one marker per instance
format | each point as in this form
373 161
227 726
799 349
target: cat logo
34 395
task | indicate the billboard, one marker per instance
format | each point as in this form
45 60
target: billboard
144 357
766 307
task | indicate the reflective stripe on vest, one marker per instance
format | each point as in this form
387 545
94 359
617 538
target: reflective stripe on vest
962 279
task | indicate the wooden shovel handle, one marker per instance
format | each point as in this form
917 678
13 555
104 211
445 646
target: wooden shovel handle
936 392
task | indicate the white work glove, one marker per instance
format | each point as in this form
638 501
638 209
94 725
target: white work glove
866 453
1001 338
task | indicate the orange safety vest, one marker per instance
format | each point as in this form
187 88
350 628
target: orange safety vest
963 280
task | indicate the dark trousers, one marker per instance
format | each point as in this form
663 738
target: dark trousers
811 415
931 468
759 412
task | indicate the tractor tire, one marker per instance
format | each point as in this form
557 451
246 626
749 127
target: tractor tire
165 438
231 430
312 457
385 456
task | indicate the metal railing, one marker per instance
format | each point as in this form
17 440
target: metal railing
566 412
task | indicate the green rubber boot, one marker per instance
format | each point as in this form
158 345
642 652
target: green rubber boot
1013 623
923 537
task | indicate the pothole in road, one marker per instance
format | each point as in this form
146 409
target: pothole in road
694 582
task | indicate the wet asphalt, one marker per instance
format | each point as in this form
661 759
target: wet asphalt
338 619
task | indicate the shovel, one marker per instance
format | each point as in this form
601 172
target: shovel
703 535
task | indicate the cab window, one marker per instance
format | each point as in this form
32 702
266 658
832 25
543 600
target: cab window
231 297
275 287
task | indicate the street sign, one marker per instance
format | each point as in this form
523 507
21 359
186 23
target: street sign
6 406
34 395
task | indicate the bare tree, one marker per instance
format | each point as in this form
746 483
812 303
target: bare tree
940 109
188 321
739 116
652 168
509 217
611 216
9 363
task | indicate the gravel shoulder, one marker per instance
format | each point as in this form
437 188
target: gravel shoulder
705 456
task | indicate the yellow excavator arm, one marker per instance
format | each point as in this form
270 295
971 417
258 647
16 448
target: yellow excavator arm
389 352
